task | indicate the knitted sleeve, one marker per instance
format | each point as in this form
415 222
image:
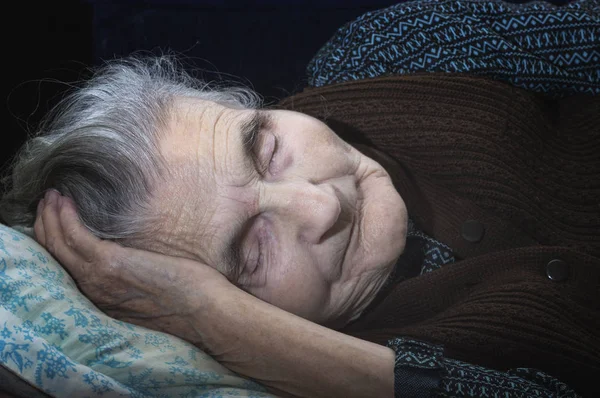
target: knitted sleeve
422 371
538 46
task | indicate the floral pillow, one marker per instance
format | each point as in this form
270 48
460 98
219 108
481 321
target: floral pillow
53 338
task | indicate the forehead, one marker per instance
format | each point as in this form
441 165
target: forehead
193 127
202 150
204 135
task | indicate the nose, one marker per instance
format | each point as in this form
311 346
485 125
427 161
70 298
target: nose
311 209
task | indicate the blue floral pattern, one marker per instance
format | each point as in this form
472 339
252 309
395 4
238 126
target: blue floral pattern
55 339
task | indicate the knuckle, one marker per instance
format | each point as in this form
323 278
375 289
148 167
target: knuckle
95 255
51 244
111 254
107 263
70 238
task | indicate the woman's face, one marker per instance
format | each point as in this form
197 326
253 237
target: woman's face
282 206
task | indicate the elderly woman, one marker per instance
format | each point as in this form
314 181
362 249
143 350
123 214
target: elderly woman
452 249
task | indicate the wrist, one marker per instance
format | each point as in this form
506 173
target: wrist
216 317
258 340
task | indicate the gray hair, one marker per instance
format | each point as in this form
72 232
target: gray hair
99 145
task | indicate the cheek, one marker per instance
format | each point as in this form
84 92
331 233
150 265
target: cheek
295 285
320 154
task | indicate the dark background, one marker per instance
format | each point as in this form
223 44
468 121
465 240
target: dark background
263 43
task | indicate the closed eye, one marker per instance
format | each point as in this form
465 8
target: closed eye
258 142
257 252
266 151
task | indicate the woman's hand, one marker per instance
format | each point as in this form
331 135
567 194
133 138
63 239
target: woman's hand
136 286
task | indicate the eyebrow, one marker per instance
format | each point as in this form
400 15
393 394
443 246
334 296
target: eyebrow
249 133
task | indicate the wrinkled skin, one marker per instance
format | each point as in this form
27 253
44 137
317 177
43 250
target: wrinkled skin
128 284
319 224
290 355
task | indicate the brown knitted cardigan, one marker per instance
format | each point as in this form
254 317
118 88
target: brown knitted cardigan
528 169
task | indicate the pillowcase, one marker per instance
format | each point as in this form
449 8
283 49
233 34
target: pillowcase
53 338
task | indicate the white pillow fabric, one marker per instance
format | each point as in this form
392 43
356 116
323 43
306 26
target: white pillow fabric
55 339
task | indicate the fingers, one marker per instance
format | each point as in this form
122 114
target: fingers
50 234
38 227
51 223
77 237
60 230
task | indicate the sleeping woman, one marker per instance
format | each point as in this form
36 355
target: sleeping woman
386 232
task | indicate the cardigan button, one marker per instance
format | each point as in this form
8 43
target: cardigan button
472 231
557 270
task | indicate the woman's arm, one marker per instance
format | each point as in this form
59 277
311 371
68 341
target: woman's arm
256 339
284 351
195 302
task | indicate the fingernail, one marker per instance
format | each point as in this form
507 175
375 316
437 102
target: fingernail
61 201
40 206
51 196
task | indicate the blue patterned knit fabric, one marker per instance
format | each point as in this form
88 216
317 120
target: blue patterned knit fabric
446 377
435 253
537 46
421 370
